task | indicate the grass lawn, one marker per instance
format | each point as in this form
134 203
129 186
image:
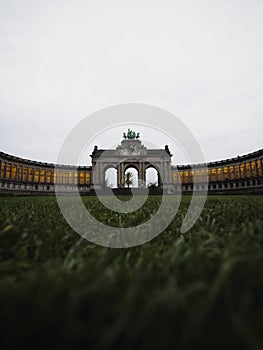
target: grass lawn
200 290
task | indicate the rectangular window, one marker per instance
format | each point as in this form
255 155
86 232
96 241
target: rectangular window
87 175
231 172
65 177
197 175
253 168
202 175
190 177
76 175
60 177
25 172
48 176
259 167
3 167
19 172
70 177
36 175
242 171
81 178
237 172
220 174
13 172
8 171
248 169
186 176
30 174
213 174
181 174
175 177
225 173
42 175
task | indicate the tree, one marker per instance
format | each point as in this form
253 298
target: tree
129 178
152 185
107 184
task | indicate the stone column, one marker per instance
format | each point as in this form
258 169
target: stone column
118 175
159 179
161 174
245 170
168 173
5 170
164 173
228 174
249 169
11 172
102 179
96 174
92 176
216 174
122 175
158 174
239 169
140 183
256 168
143 174
33 174
259 170
13 176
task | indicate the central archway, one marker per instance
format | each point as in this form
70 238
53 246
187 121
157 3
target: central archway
131 176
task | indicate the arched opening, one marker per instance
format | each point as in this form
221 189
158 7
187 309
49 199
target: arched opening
131 177
151 176
111 178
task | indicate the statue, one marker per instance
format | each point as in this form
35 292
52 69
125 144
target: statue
131 135
166 148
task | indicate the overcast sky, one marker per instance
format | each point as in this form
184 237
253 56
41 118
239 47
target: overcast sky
61 60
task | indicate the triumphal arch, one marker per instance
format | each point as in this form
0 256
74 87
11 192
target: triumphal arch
131 153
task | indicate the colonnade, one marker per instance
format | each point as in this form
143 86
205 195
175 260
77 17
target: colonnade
19 174
222 175
241 172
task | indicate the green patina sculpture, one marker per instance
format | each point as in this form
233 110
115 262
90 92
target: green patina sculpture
131 135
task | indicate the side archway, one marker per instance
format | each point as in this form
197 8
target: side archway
110 178
152 177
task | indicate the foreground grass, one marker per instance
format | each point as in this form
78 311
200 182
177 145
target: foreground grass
200 290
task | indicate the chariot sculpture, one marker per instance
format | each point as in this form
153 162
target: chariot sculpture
131 135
